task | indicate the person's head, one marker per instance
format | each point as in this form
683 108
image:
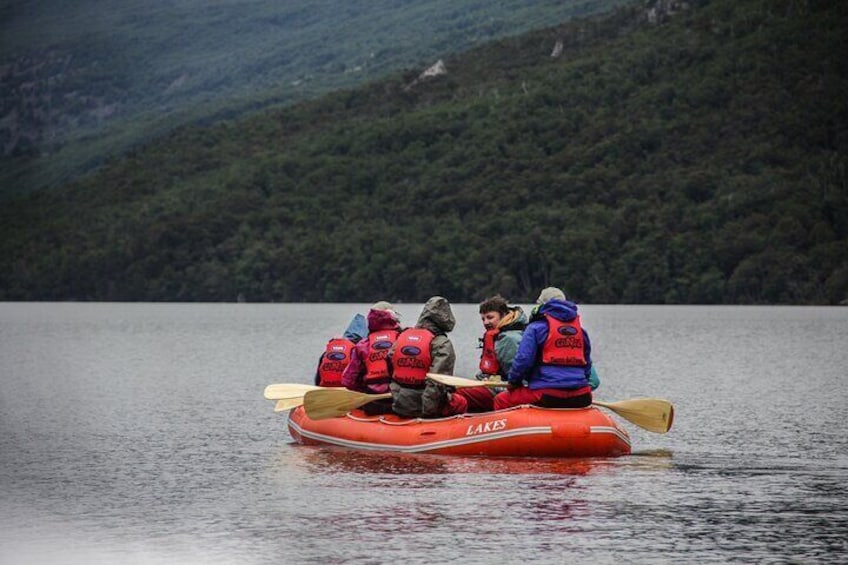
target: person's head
382 316
550 293
437 315
492 310
382 305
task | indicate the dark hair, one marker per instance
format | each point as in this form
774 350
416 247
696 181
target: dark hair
496 303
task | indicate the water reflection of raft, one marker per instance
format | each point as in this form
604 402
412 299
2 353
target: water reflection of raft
524 431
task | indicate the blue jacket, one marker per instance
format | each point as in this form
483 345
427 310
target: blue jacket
357 329
527 365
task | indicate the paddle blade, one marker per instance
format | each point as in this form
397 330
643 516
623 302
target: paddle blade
652 414
288 403
460 382
287 390
332 403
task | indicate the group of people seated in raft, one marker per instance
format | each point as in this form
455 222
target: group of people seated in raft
546 361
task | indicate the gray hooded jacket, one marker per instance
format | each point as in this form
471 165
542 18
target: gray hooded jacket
437 317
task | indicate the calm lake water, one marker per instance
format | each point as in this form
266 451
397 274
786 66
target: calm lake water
137 433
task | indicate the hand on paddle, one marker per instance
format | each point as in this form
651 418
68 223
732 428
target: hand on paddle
652 414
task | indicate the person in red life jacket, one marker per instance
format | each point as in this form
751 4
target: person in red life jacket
423 349
554 358
337 353
368 370
504 325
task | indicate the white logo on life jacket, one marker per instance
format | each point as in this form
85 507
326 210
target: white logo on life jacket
337 348
486 427
413 338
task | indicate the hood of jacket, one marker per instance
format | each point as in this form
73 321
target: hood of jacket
356 329
515 319
382 320
436 316
564 310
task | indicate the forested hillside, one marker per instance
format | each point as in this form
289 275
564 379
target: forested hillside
691 154
84 80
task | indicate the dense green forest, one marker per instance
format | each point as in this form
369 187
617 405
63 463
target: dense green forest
84 80
694 153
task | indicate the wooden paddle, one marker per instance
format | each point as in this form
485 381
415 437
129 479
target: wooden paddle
287 390
290 396
331 402
652 414
288 403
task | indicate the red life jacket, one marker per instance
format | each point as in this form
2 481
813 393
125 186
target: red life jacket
564 345
376 366
412 358
488 359
335 360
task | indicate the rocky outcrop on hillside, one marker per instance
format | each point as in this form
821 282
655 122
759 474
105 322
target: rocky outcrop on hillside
437 69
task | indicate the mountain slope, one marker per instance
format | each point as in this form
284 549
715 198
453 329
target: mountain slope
83 81
697 159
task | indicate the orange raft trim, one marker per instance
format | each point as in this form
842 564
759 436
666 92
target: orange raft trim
522 431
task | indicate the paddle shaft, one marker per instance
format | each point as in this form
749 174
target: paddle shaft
652 414
461 382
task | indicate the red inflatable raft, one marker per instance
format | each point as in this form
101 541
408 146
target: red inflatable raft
524 431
